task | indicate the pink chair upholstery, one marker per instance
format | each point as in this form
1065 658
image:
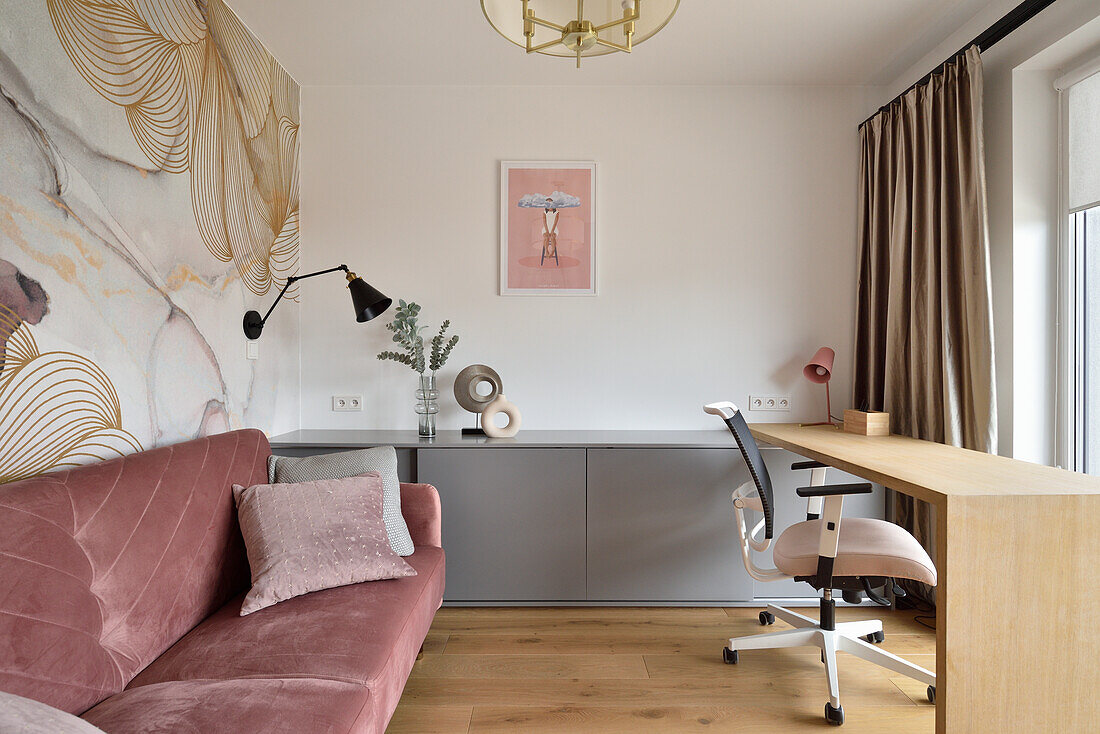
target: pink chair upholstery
867 547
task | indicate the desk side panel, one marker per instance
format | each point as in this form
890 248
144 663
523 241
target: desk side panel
1018 613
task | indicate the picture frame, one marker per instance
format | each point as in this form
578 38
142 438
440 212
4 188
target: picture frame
548 228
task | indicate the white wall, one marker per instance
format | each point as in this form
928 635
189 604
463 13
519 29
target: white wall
726 233
1021 255
1035 232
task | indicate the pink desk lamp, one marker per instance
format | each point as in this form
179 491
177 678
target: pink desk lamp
820 370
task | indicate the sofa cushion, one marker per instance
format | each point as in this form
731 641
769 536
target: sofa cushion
381 459
283 705
312 536
367 634
107 565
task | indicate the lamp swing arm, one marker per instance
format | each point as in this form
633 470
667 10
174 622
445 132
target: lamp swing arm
294 279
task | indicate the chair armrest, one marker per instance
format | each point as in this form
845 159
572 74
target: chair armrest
832 490
421 510
808 465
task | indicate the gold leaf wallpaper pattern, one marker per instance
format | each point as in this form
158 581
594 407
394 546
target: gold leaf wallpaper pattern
148 196
57 409
202 95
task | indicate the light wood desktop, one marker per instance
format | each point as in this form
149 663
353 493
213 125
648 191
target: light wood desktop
1018 561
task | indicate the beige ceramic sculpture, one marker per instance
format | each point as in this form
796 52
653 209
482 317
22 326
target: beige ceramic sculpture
500 405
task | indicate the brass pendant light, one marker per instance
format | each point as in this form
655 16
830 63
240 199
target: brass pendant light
580 28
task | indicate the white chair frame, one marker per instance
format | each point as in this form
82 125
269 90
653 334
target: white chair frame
807 632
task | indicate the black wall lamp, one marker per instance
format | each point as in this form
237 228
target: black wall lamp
367 301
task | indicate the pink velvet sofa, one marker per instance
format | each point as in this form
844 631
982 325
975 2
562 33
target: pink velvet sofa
121 590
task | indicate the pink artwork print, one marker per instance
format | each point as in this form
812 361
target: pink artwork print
547 214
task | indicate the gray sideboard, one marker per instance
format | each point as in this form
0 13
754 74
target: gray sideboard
589 517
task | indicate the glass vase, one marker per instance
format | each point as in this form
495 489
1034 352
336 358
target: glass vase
426 405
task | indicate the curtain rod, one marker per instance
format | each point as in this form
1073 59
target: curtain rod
1011 20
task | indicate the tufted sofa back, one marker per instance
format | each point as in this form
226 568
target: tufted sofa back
104 567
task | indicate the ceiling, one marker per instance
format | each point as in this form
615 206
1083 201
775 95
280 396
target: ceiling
449 42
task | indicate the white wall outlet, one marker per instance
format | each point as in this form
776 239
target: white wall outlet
347 403
252 349
781 403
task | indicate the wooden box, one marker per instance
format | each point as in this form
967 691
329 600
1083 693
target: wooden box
865 423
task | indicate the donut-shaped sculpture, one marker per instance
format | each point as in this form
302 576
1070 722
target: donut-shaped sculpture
466 387
500 405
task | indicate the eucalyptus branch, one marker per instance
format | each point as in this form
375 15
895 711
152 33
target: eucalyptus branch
441 349
406 335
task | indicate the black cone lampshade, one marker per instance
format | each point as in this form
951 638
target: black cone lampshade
366 299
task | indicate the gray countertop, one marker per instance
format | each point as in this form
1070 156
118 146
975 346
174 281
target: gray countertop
334 438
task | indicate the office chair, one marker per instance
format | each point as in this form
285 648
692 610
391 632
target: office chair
857 554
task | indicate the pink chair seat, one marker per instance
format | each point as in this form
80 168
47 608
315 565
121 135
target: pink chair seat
867 548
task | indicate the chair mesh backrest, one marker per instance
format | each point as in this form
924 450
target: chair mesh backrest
759 471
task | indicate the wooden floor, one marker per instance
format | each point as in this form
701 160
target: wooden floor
641 670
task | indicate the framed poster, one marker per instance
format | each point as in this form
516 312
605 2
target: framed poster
548 228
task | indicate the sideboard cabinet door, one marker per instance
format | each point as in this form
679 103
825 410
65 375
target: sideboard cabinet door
513 522
660 526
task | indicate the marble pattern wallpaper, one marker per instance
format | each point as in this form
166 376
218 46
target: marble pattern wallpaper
148 198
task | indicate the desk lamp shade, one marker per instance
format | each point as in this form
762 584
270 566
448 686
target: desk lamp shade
366 299
819 370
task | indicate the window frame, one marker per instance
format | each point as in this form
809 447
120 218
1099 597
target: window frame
1070 428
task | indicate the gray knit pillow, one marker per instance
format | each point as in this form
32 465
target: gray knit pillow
383 459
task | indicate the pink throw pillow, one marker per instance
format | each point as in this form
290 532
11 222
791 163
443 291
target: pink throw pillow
310 536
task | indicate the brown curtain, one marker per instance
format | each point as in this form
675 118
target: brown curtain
924 338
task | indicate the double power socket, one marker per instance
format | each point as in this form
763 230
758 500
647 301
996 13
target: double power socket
780 403
347 403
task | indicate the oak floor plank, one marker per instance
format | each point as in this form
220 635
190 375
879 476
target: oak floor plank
531 666
435 643
639 642
915 690
741 689
628 622
903 622
772 664
409 719
587 644
712 718
446 617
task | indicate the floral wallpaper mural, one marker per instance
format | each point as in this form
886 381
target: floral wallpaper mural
148 198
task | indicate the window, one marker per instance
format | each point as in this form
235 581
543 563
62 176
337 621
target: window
1082 274
1084 231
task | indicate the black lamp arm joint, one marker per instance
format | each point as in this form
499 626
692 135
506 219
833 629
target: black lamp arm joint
294 279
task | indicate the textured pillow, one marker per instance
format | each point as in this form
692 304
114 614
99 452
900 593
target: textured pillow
20 715
383 459
314 535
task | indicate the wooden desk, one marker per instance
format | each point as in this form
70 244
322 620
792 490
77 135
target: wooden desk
1018 556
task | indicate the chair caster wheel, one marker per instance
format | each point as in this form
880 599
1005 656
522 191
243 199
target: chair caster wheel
875 637
729 657
931 694
834 716
767 618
